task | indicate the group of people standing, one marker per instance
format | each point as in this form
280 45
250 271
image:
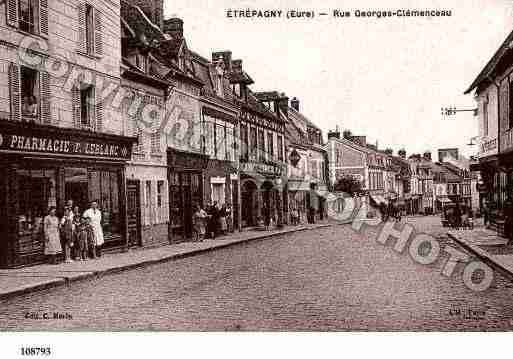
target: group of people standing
79 236
390 210
213 221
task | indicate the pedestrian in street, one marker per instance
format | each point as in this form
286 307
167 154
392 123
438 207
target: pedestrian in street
266 212
84 235
199 219
52 239
67 232
213 221
95 217
76 223
485 210
223 223
508 220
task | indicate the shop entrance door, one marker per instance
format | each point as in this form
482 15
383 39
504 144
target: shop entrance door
133 212
249 208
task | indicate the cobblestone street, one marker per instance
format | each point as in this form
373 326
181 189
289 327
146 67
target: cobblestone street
327 279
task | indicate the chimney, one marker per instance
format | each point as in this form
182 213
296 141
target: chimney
294 103
283 103
226 57
334 134
237 66
174 27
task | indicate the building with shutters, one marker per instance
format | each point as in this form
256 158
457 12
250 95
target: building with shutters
143 111
61 133
306 166
220 128
493 91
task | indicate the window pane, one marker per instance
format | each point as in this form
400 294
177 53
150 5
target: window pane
220 142
29 94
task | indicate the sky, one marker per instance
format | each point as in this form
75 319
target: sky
384 78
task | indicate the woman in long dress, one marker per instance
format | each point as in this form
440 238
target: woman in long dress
199 219
95 216
52 240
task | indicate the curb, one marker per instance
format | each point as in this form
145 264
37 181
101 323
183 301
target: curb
483 255
66 281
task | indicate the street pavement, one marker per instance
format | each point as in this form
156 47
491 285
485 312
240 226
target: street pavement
325 279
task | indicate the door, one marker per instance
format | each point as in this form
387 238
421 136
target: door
235 204
133 212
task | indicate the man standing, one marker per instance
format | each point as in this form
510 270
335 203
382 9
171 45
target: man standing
95 216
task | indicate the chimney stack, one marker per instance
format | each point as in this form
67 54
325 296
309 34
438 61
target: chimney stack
226 57
334 134
294 103
174 27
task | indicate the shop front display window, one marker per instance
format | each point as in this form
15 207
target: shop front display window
104 188
36 195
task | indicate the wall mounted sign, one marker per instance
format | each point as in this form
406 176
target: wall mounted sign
42 139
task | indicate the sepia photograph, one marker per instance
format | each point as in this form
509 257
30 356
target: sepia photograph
255 166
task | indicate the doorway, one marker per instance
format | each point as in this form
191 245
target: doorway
249 208
133 212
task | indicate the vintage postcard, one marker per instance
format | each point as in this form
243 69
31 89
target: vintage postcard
255 166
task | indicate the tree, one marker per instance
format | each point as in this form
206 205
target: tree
402 153
348 184
347 134
389 151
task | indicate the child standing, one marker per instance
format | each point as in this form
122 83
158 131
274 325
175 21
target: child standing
81 239
67 229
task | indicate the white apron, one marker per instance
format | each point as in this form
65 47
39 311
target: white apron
96 223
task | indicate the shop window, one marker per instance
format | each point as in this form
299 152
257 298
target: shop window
104 188
28 15
36 194
30 94
218 194
87 106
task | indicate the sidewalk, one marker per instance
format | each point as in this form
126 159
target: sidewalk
15 282
488 247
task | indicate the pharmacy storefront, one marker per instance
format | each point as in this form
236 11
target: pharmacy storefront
44 167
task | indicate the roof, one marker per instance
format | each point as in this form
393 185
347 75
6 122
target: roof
303 118
490 67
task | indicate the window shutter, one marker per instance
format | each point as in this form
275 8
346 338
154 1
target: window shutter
46 116
75 94
98 106
98 37
43 17
14 89
12 12
82 46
